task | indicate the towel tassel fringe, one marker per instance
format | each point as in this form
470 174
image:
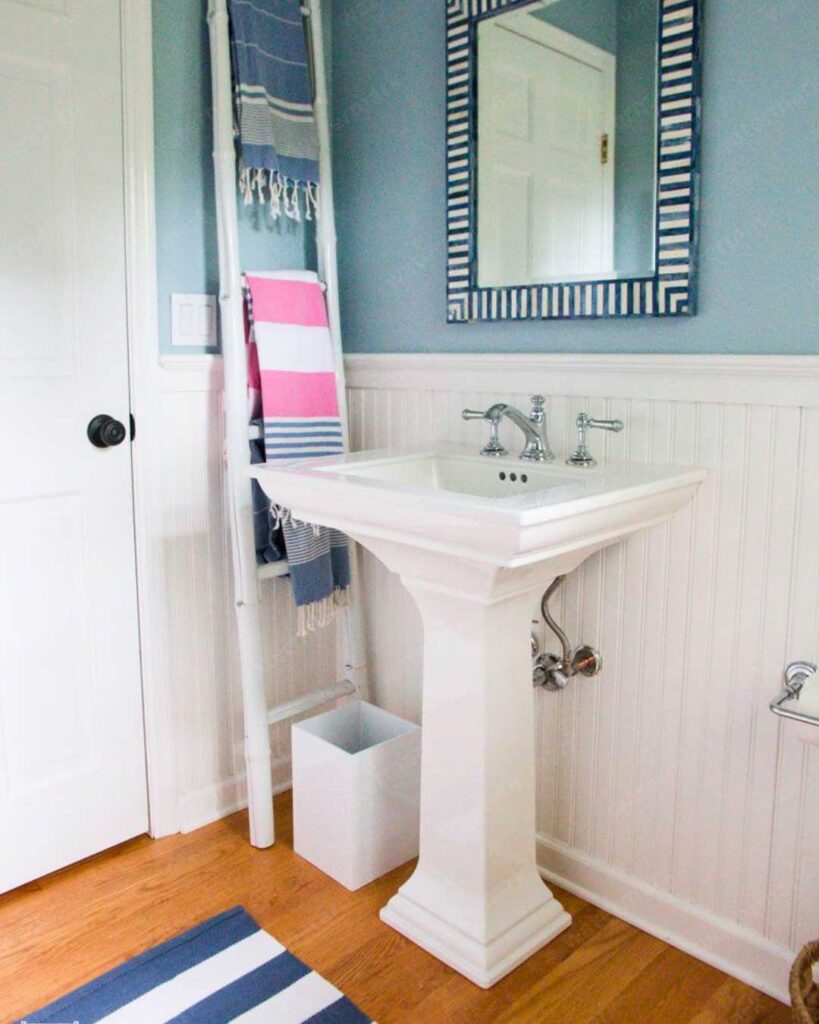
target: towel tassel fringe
280 194
310 617
245 186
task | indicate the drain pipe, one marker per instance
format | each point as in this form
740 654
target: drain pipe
552 671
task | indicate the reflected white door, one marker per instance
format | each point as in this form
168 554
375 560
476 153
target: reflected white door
545 181
72 757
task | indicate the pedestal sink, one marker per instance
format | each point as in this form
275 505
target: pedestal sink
476 542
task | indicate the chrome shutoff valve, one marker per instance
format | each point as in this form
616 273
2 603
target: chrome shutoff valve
553 671
548 672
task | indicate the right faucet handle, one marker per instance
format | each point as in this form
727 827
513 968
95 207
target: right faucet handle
581 456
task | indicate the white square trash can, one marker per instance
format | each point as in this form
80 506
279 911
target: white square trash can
356 792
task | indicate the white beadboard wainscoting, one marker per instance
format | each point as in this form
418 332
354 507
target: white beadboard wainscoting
191 643
667 791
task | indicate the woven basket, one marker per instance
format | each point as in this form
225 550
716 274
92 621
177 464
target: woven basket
804 994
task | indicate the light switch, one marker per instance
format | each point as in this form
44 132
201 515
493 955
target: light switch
193 320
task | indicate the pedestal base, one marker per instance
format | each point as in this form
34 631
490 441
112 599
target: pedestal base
476 900
482 964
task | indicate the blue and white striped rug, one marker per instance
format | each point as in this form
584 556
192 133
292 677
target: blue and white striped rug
226 969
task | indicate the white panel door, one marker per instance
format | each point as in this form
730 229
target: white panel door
545 195
72 757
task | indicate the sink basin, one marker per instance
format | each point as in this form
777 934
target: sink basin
499 511
476 541
451 470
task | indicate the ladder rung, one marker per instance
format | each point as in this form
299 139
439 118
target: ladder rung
271 570
291 708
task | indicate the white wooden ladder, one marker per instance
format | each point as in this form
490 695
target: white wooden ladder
258 717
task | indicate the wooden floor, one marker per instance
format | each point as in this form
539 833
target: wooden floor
60 932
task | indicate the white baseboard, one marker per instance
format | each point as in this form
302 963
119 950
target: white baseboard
721 943
210 803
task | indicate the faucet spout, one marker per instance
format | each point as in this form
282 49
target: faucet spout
518 418
534 450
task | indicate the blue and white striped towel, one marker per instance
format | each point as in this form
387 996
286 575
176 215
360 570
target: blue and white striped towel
278 140
226 969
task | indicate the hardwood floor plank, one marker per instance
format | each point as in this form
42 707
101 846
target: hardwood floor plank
64 930
735 1002
670 990
586 982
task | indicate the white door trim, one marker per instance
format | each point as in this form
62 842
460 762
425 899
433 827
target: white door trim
143 346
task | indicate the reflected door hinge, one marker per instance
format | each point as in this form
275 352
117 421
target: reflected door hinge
604 149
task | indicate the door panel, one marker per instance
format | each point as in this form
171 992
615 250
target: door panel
541 115
36 211
72 772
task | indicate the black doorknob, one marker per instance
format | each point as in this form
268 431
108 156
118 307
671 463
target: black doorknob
106 432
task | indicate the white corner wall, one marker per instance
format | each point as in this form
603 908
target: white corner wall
667 791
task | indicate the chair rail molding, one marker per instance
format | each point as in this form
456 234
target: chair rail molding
729 379
667 791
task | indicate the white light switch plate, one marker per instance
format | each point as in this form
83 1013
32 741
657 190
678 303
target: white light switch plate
193 320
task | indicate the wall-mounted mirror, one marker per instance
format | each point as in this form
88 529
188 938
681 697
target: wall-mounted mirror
572 144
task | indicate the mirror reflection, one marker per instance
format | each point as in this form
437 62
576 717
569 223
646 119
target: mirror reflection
567 142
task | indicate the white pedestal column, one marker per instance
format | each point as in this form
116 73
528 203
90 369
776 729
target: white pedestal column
476 900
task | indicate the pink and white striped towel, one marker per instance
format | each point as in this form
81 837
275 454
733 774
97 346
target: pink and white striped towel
293 366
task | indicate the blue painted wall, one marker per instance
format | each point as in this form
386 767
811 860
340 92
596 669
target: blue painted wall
759 285
185 210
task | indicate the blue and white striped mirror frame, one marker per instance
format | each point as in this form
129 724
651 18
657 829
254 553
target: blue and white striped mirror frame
672 291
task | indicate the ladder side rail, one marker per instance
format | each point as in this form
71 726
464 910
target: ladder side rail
239 502
352 629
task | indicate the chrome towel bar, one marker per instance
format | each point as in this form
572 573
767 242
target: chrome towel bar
796 675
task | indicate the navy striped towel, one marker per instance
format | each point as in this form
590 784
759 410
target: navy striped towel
275 123
226 969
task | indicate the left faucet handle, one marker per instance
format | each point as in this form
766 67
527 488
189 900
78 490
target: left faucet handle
493 447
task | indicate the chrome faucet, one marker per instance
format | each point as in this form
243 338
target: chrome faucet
536 448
